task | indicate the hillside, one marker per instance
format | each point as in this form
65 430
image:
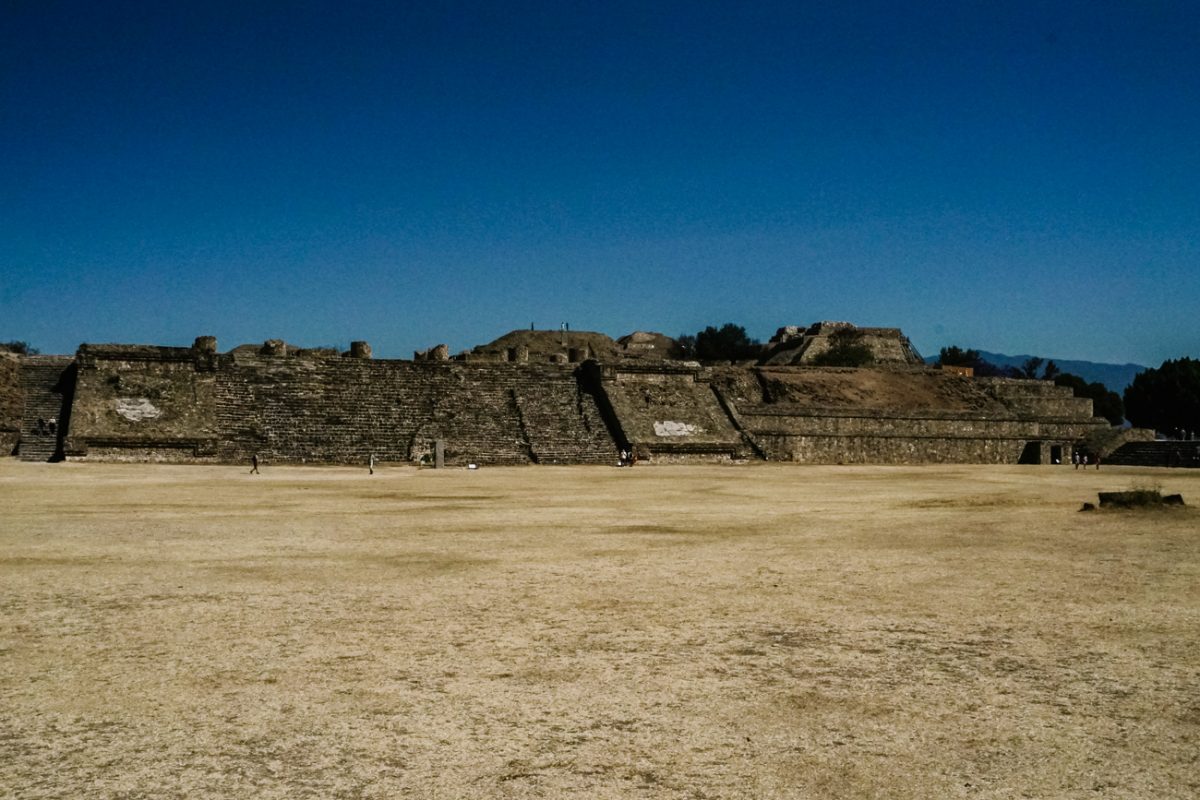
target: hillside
1114 376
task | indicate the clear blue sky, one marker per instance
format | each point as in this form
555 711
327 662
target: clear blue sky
1022 178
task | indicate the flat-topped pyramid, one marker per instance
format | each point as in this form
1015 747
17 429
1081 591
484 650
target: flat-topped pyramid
793 344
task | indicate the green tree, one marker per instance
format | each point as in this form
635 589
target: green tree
846 349
727 343
1104 403
685 346
1166 399
955 356
1051 372
18 347
1030 368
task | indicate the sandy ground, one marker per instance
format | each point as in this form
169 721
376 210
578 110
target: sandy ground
693 632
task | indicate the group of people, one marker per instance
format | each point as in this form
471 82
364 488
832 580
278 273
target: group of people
45 428
627 459
1081 460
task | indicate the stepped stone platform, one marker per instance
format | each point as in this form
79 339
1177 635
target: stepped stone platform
531 397
46 386
799 346
1157 454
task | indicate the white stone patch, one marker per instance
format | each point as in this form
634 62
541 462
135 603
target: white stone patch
137 409
669 428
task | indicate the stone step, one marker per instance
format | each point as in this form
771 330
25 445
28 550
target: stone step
41 378
1156 454
37 448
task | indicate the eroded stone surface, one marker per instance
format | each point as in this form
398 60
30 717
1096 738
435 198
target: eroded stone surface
672 428
530 397
136 409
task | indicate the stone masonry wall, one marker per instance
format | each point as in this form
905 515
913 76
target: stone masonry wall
130 400
1037 398
10 402
670 412
344 410
190 404
893 450
827 438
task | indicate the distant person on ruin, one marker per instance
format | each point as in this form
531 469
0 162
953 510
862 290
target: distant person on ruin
52 425
1097 461
371 464
254 465
1083 460
1075 459
39 427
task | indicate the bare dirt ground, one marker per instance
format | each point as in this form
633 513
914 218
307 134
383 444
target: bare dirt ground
661 632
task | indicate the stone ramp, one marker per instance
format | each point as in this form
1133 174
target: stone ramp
42 385
1156 454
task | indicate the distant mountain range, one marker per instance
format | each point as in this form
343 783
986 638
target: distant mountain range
1114 376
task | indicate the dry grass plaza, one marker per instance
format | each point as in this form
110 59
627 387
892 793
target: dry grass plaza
765 631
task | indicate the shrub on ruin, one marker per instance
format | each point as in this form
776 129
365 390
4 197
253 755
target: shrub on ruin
846 349
957 357
728 343
1031 367
684 347
18 347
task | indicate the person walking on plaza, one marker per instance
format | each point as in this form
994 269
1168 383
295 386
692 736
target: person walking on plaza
371 464
254 465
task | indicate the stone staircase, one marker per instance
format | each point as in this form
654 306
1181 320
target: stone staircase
344 410
42 379
1156 454
562 423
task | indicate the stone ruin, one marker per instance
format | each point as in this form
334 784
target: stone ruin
795 345
529 397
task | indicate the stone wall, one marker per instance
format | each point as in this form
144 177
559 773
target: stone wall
188 404
813 436
1037 398
903 416
893 450
287 406
545 347
297 410
10 402
133 400
670 411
